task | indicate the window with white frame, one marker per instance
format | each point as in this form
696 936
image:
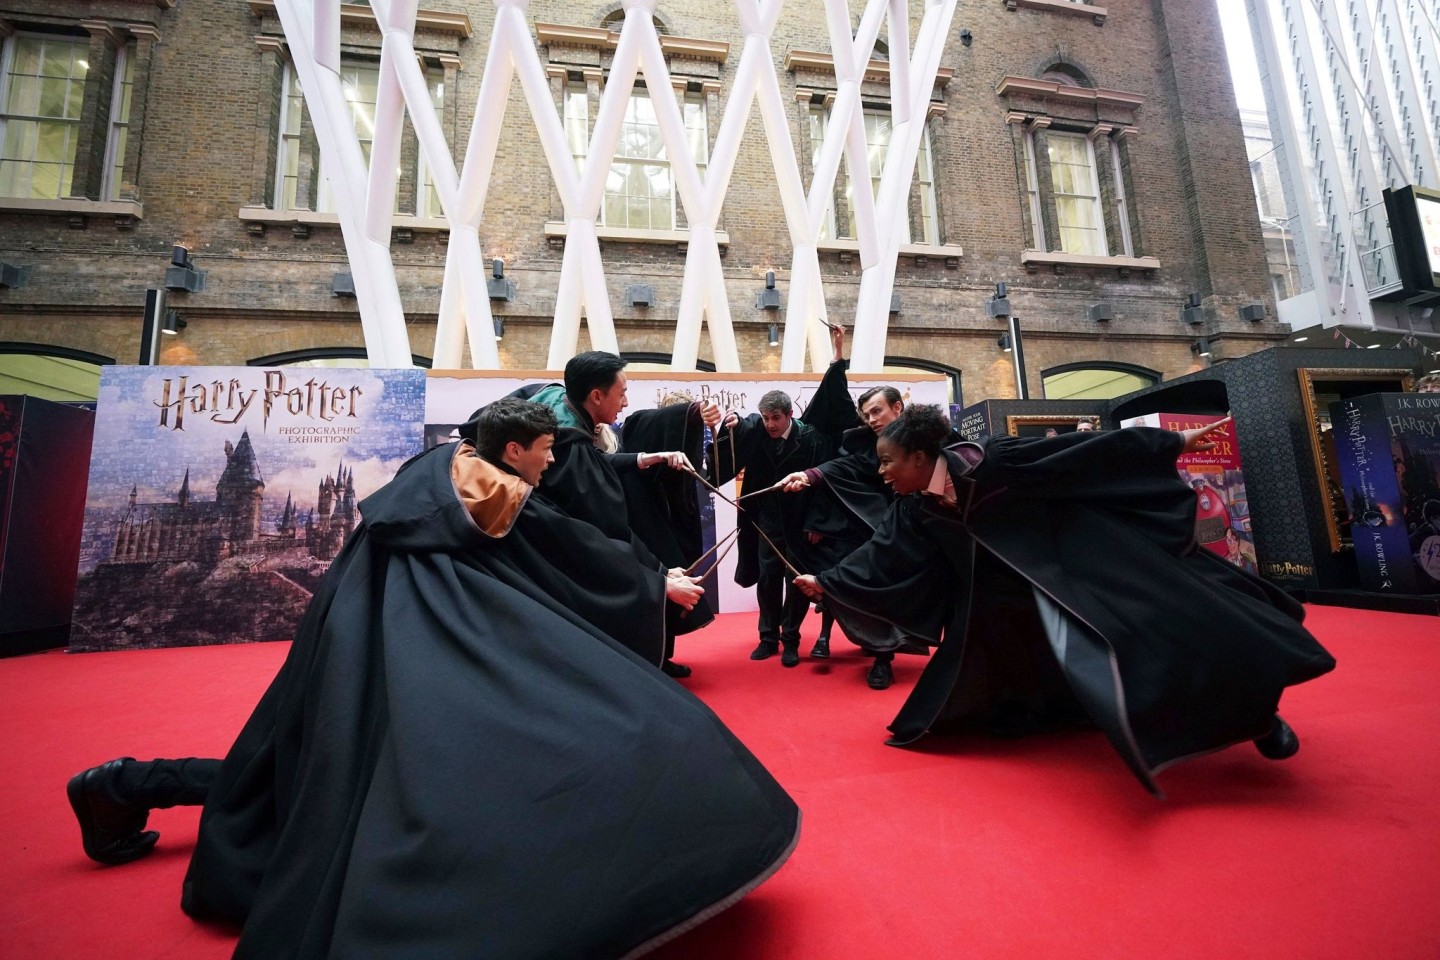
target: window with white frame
1074 193
42 90
577 122
427 198
640 189
878 131
300 180
119 122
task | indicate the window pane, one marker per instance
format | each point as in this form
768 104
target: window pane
55 59
27 56
46 180
53 98
53 140
24 98
20 138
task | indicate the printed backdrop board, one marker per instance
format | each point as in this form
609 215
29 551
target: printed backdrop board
1222 510
1388 448
219 495
454 394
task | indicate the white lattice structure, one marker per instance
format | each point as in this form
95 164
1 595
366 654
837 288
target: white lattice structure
365 196
1352 88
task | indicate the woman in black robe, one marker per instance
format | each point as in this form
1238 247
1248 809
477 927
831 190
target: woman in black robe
462 757
1064 575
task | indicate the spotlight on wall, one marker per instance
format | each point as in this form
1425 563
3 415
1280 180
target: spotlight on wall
499 328
769 298
181 275
1004 342
1101 312
640 295
894 303
343 285
774 334
497 286
1201 348
12 276
998 305
174 323
1254 312
1191 313
965 37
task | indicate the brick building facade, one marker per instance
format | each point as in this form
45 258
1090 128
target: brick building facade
1084 156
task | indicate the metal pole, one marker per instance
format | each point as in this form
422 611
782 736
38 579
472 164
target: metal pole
1017 355
150 327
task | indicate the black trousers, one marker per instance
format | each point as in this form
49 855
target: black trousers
782 605
166 783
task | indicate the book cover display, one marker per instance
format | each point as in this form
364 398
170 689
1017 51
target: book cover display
219 495
1388 448
1222 510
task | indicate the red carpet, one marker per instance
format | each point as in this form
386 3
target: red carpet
1044 847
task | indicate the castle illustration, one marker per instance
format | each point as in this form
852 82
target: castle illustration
188 529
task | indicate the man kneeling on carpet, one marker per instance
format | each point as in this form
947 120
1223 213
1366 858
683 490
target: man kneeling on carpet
1064 575
469 750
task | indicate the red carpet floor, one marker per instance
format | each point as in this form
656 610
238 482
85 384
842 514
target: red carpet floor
1044 847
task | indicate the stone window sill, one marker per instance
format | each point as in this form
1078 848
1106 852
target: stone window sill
1034 258
263 216
848 249
1066 7
128 209
555 232
360 15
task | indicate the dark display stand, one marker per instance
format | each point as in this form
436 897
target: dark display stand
44 465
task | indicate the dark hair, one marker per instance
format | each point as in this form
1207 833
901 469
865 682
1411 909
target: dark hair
498 423
592 370
775 400
892 396
921 427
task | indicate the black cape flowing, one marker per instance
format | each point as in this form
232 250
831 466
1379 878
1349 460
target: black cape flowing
1068 585
460 756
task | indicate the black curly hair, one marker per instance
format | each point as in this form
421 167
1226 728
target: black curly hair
921 427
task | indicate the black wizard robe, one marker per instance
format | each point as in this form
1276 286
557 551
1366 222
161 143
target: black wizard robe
1068 585
462 756
600 488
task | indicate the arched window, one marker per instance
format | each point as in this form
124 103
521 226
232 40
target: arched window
658 362
50 372
325 357
914 365
1096 380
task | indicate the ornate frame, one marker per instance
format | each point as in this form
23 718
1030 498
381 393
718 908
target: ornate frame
1308 376
1015 422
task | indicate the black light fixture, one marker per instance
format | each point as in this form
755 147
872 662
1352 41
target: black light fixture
1201 348
640 295
998 306
343 285
1004 342
965 37
1191 313
174 323
499 323
1254 312
497 286
774 334
769 298
181 275
12 276
1101 312
894 303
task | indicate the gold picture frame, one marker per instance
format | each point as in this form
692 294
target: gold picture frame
1326 471
1035 425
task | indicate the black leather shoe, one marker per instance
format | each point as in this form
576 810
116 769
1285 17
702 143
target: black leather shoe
790 656
112 829
1279 743
677 670
880 675
765 650
821 650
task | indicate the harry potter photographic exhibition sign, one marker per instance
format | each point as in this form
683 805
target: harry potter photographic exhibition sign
219 495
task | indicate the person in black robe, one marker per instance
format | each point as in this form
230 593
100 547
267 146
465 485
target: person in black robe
590 474
769 445
466 754
1065 577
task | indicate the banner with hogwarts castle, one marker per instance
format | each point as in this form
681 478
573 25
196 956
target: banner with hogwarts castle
219 495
